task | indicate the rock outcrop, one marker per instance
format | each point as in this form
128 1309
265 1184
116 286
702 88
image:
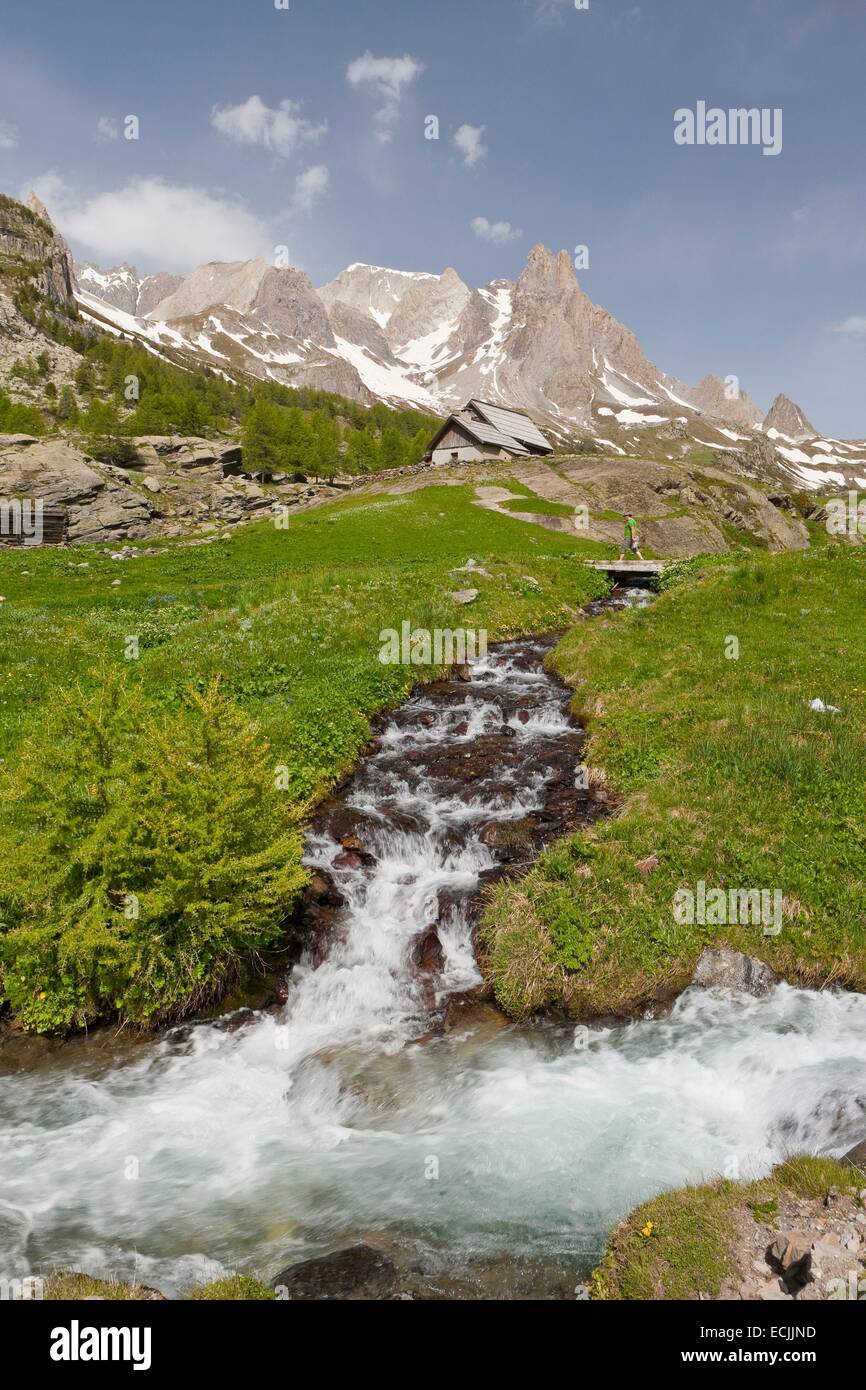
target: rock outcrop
359 1273
99 504
726 969
178 485
29 238
20 340
35 261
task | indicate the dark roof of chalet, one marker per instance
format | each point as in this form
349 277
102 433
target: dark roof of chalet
491 424
514 423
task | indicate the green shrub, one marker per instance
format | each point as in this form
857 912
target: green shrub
675 573
19 419
104 434
148 859
567 926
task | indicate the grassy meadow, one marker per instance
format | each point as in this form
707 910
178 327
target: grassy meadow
700 724
152 803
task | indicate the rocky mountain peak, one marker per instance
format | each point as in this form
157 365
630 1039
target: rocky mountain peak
30 241
426 306
124 288
286 301
548 275
235 283
724 400
787 418
38 208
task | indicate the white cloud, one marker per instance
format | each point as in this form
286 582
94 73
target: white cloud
8 135
310 187
170 226
469 143
280 129
387 79
106 130
855 324
499 232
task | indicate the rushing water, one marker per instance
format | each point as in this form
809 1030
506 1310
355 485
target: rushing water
475 1152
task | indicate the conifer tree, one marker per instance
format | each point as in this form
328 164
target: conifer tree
261 439
104 433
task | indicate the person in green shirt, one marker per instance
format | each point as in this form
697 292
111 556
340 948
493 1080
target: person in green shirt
630 540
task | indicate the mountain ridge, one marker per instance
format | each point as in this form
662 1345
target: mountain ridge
539 341
429 341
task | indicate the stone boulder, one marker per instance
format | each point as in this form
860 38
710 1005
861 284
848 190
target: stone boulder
197 456
98 505
427 953
791 1254
856 1157
358 1273
727 969
118 515
17 441
52 470
511 841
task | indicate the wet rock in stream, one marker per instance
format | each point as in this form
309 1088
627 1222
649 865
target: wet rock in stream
465 783
357 1273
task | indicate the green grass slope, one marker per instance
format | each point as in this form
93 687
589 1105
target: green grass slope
700 722
150 803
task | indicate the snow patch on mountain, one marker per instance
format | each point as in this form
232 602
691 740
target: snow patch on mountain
430 351
384 381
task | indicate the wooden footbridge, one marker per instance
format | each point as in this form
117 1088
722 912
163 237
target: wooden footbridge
634 569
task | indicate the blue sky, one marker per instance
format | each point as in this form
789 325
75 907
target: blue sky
720 258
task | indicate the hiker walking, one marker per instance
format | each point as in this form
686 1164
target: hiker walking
630 540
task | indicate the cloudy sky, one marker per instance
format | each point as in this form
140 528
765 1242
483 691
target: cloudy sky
307 126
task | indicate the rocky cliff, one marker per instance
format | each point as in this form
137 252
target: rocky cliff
36 266
32 252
